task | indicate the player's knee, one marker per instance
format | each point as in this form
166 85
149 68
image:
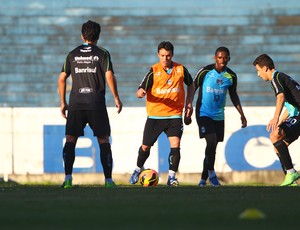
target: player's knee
103 140
274 137
72 139
174 142
211 141
145 148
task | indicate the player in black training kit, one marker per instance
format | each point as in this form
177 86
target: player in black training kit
282 135
90 67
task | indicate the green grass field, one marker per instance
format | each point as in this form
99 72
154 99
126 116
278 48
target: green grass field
135 207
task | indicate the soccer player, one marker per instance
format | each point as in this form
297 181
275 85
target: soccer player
213 82
163 87
281 135
90 67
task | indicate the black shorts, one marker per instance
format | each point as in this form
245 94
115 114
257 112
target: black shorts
154 127
97 120
291 128
207 125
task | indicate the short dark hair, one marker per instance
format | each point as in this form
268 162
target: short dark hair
222 49
165 45
91 31
264 60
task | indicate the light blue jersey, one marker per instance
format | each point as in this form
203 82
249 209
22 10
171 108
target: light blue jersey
293 111
213 88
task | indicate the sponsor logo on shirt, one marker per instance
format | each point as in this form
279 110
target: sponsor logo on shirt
85 90
81 58
86 50
219 81
212 90
85 60
86 70
165 91
178 70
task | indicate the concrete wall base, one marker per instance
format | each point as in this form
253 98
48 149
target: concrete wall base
228 178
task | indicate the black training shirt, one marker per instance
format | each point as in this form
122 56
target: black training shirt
282 83
87 65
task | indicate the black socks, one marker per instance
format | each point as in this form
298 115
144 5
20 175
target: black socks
69 157
284 154
106 159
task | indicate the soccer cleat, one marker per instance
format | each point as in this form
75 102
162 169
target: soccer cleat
290 178
67 184
110 184
202 183
172 181
294 184
135 176
214 181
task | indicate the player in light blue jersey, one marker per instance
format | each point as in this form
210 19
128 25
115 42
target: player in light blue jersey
213 82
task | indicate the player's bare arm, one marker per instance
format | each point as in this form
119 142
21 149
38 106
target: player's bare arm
189 104
243 118
280 98
237 103
62 78
284 116
112 84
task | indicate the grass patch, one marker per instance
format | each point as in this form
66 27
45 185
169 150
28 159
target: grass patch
135 207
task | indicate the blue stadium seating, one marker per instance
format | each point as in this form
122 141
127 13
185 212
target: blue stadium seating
36 36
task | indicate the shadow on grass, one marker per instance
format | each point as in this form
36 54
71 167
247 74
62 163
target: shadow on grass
8 183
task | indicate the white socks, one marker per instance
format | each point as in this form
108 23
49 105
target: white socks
172 173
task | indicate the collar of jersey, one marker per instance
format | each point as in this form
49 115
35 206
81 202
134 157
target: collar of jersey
274 73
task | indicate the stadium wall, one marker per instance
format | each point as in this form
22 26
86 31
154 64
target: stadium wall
33 138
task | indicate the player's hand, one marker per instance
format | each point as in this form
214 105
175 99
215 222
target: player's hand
188 115
187 120
273 123
244 122
63 109
140 93
119 105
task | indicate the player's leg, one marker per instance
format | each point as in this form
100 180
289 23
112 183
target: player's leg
74 128
99 123
213 132
174 130
69 158
106 160
204 174
217 128
281 137
281 163
210 155
152 130
173 160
